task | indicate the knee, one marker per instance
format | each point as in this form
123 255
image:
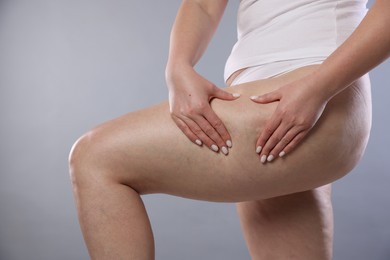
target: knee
84 157
77 157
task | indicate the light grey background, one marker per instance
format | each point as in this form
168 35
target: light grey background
66 66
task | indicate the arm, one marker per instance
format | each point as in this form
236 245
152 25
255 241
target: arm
192 31
296 114
189 93
367 47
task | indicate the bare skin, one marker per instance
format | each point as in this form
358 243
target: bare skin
144 152
284 206
295 226
279 228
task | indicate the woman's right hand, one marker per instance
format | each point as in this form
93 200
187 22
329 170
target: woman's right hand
189 102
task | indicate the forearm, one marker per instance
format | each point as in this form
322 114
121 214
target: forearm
367 47
193 29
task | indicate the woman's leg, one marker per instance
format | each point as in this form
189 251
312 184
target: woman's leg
295 226
113 219
145 152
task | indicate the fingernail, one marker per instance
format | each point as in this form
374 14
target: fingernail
282 153
229 143
198 142
263 158
258 149
236 94
270 158
224 150
253 97
214 147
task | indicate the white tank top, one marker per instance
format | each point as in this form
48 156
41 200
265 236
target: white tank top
280 32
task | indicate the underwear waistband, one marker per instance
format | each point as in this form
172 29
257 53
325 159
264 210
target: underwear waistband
273 69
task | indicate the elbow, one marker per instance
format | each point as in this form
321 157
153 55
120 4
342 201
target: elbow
214 9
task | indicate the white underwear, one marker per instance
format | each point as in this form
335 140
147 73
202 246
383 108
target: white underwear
273 69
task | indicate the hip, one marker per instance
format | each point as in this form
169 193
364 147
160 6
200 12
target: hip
331 149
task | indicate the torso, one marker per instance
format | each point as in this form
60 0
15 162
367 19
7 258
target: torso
285 35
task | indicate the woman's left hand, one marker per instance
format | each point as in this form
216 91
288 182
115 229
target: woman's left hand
301 104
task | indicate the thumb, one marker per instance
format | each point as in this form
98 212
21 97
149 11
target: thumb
221 94
267 98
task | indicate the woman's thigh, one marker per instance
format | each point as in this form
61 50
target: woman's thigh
147 151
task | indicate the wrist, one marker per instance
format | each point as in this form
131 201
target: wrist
324 85
176 69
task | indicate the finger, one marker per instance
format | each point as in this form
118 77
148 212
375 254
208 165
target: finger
219 126
268 130
294 143
197 130
221 94
187 131
279 149
267 98
210 131
271 143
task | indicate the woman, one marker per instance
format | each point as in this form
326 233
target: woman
297 89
